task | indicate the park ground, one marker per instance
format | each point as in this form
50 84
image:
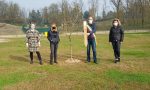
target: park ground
132 73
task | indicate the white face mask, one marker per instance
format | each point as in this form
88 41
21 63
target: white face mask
115 24
32 26
90 21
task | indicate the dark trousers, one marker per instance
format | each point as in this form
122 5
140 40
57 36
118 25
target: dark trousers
53 54
38 55
91 43
116 47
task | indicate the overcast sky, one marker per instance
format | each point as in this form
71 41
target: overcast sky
38 4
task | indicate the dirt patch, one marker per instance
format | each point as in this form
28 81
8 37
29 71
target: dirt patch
8 29
71 61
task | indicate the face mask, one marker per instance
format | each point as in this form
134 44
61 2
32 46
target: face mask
115 24
32 26
90 21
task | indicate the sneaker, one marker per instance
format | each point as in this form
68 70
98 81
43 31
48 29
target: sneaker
116 60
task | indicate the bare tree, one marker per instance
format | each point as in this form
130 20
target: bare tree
104 9
72 16
93 9
118 6
11 12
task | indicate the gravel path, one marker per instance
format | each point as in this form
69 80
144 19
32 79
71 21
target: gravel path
3 40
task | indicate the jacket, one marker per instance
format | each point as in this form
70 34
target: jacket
53 37
116 34
93 27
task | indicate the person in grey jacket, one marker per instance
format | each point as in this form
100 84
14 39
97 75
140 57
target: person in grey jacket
53 37
116 36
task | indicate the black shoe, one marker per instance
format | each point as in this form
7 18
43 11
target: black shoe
55 62
95 62
41 63
87 61
51 63
116 60
31 62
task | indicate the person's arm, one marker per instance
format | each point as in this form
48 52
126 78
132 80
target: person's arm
38 36
93 29
110 35
58 37
49 36
27 39
122 34
38 39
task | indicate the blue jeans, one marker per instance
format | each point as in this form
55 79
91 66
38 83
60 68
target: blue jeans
91 43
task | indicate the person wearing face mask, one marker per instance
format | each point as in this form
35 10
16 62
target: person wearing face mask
33 43
91 39
116 36
53 37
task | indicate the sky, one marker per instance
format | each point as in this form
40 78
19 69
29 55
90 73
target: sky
34 4
39 4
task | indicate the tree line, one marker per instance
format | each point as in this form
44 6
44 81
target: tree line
11 12
132 13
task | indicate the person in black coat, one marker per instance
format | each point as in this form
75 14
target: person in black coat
53 37
116 36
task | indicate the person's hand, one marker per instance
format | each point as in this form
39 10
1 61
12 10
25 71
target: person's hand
27 45
88 34
39 44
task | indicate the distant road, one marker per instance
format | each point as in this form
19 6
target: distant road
107 32
12 36
3 40
76 33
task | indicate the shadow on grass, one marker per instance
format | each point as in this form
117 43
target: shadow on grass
19 58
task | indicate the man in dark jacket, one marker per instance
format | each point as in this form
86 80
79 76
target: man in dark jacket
53 37
116 36
91 39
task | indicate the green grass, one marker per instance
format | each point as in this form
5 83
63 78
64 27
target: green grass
122 77
131 73
137 53
15 77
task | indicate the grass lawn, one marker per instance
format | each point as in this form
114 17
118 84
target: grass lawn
132 73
